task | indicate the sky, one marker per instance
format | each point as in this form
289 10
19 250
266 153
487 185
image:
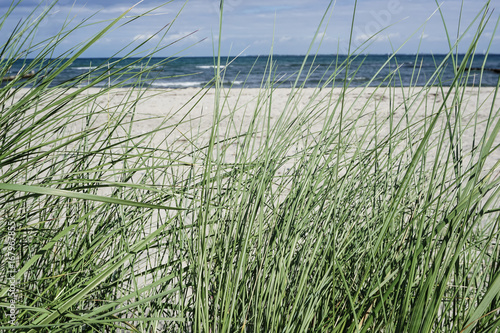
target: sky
259 27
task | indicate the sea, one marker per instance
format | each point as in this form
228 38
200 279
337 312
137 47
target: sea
282 71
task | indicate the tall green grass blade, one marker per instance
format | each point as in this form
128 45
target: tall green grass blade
78 195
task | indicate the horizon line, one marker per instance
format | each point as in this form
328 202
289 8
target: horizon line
278 55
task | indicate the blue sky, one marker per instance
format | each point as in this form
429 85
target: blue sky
253 27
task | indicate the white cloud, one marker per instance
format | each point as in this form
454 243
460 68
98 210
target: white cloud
143 37
182 35
285 39
361 38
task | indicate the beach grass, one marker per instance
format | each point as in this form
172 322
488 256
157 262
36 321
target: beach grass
318 214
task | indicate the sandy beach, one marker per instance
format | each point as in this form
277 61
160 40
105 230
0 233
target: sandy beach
187 115
182 120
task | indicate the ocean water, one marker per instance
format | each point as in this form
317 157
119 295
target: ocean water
252 71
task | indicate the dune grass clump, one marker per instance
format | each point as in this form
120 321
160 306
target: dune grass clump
334 216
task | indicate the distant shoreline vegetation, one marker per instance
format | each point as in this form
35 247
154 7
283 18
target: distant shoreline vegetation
247 71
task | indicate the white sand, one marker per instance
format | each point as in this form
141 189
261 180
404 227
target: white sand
186 116
191 116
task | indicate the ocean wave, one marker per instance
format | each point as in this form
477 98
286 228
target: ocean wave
144 67
177 84
408 64
209 67
358 78
85 68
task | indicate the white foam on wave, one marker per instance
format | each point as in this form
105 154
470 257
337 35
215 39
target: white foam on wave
177 84
86 68
209 67
142 67
358 78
